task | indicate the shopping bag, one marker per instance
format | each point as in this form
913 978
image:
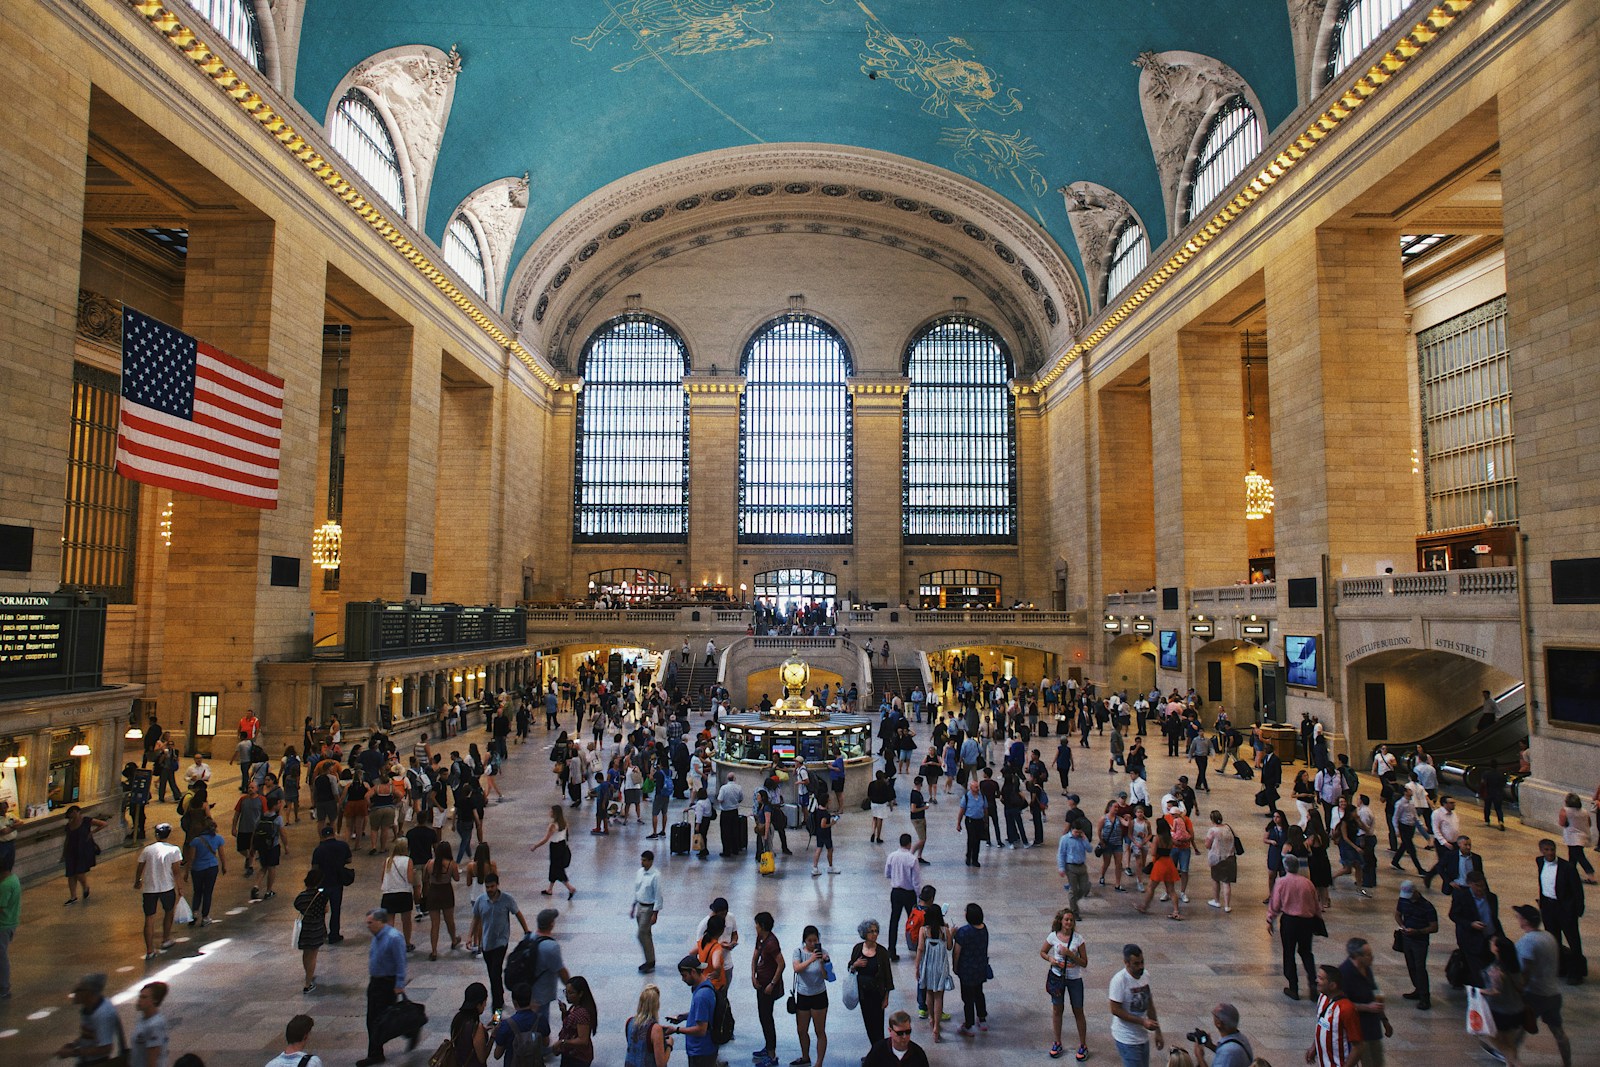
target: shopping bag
182 912
848 991
769 863
1480 1021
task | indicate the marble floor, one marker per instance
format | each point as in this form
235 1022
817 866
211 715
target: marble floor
235 983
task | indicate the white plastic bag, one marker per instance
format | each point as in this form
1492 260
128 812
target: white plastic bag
1480 1021
182 912
848 991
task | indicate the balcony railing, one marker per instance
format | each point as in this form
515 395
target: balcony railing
886 620
1483 582
1255 595
1147 599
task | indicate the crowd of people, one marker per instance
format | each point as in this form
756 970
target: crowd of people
1001 753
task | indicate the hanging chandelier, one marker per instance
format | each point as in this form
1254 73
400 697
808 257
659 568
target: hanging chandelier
327 540
1258 493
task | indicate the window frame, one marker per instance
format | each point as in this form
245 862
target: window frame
838 527
478 259
1340 57
1119 255
240 27
1212 156
100 520
621 508
387 153
962 409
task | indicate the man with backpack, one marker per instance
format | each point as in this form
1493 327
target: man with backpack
521 1038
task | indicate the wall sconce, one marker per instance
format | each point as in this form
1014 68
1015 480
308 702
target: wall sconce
1254 628
1143 625
13 755
397 689
1201 626
1112 624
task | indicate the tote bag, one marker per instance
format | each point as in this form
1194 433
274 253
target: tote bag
1480 1021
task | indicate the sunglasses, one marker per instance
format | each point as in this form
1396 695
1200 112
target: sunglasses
901 1033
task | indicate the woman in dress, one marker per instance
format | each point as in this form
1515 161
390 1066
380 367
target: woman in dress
869 962
579 1017
1163 872
398 889
312 904
469 1034
1136 840
439 878
1275 837
560 852
1222 856
1319 869
648 1045
1064 950
79 850
970 962
950 757
811 966
933 964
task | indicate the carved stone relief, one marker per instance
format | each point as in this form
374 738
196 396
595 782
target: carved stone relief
1306 18
498 209
1177 92
416 86
1095 213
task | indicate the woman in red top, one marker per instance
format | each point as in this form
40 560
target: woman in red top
579 1017
766 975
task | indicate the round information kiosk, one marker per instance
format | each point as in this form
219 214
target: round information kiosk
748 744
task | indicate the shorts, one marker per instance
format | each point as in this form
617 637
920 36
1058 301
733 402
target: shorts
824 837
837 787
1072 990
631 797
1226 872
245 843
269 855
382 818
659 801
167 900
811 1001
396 903
1180 859
327 811
1547 1009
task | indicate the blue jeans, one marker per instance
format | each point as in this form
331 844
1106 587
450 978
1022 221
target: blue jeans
465 850
1133 1055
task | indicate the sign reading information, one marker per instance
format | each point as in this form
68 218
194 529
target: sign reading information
50 643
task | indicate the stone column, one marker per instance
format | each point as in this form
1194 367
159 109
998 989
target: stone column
391 458
877 562
1036 560
713 479
1550 153
42 171
1126 490
253 290
466 495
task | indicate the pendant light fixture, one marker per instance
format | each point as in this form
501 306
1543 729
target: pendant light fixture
327 540
1258 494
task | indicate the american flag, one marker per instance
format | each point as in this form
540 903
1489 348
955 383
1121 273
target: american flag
196 419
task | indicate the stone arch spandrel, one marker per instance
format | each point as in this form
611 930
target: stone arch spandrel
1096 214
497 210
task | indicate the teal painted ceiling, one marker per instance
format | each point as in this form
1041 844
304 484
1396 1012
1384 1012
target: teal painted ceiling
1024 97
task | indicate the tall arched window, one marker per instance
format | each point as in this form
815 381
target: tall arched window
795 435
959 437
784 589
631 480
236 21
359 134
465 255
1360 22
1130 252
1232 140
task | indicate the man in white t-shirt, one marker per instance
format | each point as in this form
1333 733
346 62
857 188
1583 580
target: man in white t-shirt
197 772
1133 1010
160 867
298 1036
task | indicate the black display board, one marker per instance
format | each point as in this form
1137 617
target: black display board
50 642
376 630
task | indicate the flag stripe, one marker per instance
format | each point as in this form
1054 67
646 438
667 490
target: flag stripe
195 418
153 435
200 485
151 456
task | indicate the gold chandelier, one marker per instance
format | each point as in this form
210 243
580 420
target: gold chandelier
327 540
1258 493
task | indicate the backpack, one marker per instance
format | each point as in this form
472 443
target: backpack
527 1047
257 753
1348 776
914 921
1182 835
523 962
780 819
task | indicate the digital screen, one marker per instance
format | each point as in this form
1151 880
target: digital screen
1302 667
811 749
1169 650
1572 676
783 749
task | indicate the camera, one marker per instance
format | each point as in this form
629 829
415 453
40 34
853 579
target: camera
1199 1037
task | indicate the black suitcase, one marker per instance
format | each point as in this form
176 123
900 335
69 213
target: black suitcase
679 840
1243 770
741 834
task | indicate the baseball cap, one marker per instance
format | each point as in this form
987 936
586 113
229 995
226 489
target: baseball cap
1408 889
163 829
691 962
1529 912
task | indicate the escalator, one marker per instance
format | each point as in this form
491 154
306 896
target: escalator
1462 752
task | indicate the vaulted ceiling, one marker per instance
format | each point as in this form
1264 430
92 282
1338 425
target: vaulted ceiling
1023 97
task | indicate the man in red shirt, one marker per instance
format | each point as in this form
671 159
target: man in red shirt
250 725
1336 1042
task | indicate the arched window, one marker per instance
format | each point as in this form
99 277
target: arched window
959 437
795 435
359 134
1231 142
795 588
1130 252
631 478
465 255
1360 23
236 21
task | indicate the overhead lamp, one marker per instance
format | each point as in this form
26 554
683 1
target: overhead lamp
327 540
1111 624
15 761
1258 493
80 747
133 734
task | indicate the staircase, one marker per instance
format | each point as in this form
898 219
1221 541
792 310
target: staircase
902 680
691 679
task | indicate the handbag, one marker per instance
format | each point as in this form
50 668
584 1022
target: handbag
1238 845
1055 983
347 875
444 1055
789 1005
298 924
1399 940
1480 1020
1456 969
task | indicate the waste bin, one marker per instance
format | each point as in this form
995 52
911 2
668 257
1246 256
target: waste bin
1282 739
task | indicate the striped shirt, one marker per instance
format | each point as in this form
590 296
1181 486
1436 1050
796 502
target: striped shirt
1338 1032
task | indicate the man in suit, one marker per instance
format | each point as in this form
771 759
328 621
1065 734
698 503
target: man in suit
1476 914
1561 905
1271 779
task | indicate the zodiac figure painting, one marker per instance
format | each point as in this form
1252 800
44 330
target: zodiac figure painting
945 76
681 27
1000 154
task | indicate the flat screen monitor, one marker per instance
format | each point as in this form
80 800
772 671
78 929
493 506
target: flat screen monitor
1169 650
1302 666
812 750
783 748
1572 676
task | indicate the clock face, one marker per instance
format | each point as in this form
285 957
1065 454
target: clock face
794 675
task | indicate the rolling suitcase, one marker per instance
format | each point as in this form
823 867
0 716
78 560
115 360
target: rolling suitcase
679 841
1243 770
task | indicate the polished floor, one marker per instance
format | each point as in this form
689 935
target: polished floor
235 983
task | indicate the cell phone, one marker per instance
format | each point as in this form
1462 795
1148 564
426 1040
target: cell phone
496 1017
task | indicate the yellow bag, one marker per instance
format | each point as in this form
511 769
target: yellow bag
769 863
